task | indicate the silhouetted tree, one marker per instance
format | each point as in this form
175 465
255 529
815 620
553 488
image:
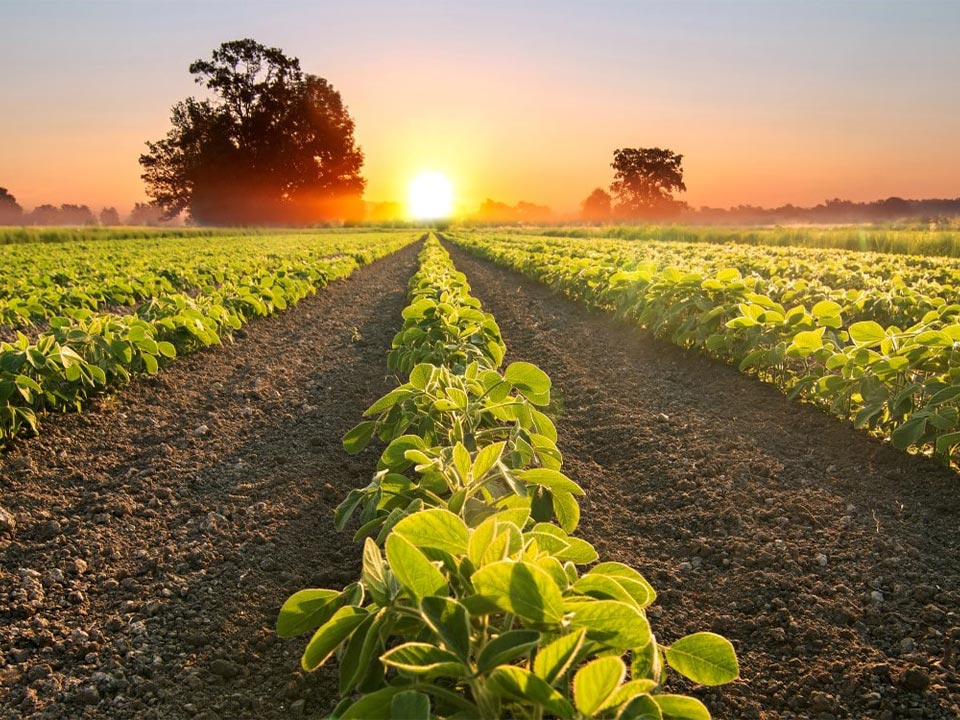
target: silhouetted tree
109 216
10 211
272 145
597 206
145 214
645 180
76 215
44 215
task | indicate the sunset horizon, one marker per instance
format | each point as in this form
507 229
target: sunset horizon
768 103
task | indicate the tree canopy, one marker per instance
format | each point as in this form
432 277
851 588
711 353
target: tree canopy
270 145
10 211
645 180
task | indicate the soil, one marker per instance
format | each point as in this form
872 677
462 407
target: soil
157 535
830 560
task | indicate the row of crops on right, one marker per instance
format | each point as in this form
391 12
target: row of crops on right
868 336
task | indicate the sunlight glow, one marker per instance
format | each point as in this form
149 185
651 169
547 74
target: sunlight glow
430 196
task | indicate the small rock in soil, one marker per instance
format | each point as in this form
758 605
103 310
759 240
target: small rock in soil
914 679
225 669
8 523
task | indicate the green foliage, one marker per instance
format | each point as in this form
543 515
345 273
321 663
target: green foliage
472 602
162 309
879 348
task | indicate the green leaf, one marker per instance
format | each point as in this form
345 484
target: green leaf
421 658
506 647
643 707
306 610
372 574
555 659
357 438
596 681
532 382
420 375
613 623
485 459
330 635
566 509
552 479
681 707
867 332
435 528
410 705
167 349
705 658
450 621
374 706
631 581
522 589
515 683
414 571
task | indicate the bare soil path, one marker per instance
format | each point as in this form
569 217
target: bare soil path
830 560
157 537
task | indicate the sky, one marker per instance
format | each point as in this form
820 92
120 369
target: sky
770 101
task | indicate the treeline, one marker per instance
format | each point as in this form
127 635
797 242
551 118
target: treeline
11 213
832 211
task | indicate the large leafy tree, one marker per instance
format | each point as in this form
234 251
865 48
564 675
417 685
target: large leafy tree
645 180
269 145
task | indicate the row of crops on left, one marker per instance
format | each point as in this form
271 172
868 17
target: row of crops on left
80 319
476 598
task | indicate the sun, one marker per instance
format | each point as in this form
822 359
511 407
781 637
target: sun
430 196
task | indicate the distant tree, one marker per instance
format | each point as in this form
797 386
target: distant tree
76 215
645 180
493 211
109 216
271 145
145 214
10 211
44 215
597 207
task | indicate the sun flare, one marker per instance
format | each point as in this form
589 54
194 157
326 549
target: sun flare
430 196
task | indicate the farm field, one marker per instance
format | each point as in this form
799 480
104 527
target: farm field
827 556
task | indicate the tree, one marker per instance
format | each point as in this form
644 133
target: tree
597 206
645 180
271 145
10 211
109 216
145 214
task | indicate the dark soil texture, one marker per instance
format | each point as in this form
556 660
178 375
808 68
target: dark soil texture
157 535
830 560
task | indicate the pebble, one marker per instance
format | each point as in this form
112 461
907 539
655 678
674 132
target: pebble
225 669
297 708
907 645
685 566
88 695
8 523
49 530
915 679
822 560
876 596
201 430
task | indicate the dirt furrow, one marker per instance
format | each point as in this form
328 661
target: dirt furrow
830 560
157 537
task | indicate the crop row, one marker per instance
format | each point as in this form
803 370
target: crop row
892 290
474 600
40 282
843 354
84 353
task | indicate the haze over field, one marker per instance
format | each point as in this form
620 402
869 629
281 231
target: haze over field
769 102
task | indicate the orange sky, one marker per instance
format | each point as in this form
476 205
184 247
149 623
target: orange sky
770 102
